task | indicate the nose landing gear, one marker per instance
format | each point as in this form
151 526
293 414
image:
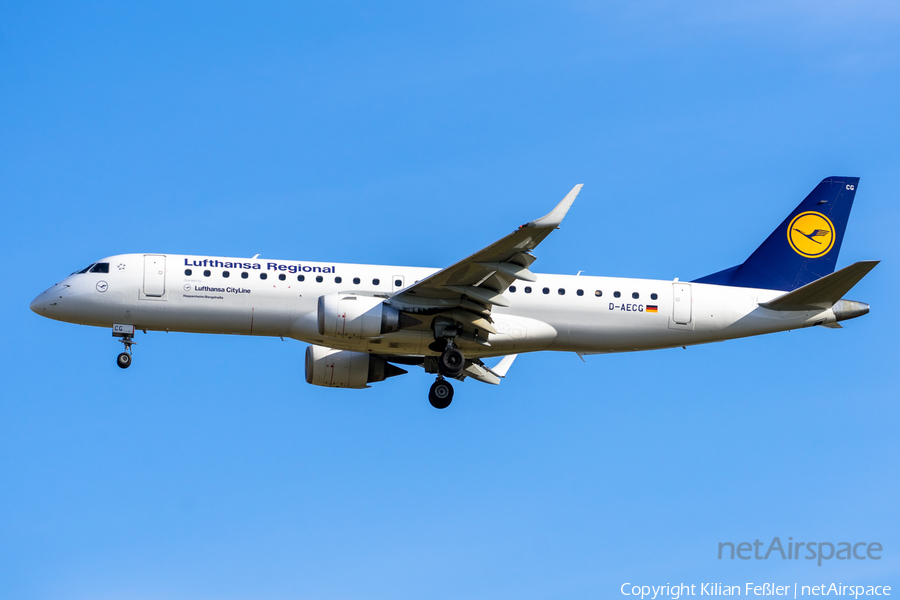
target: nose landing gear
124 360
441 393
125 333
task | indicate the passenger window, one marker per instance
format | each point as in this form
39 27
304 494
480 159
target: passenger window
527 289
653 296
635 295
100 268
206 273
398 282
245 275
376 281
562 292
263 275
300 277
188 272
226 274
580 292
546 290
598 293
617 294
282 277
512 289
319 279
356 281
338 280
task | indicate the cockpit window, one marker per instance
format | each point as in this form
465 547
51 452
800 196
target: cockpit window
100 268
84 270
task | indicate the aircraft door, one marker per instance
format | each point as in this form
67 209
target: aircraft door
154 275
397 283
681 303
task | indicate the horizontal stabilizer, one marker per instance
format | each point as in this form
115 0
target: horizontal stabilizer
824 292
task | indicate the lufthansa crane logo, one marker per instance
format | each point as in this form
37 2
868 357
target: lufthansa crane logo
811 234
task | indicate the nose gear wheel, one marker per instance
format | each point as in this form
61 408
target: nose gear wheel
441 394
124 359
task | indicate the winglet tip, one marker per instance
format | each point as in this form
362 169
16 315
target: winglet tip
555 216
502 367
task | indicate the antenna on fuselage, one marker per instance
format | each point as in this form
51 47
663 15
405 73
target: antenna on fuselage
255 256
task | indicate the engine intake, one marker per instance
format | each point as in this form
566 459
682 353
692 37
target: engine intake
346 315
344 369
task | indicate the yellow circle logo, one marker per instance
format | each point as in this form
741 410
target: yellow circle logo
811 234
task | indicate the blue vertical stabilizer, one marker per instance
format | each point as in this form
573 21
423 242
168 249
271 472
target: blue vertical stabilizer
803 248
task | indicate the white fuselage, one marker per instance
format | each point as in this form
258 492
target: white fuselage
279 298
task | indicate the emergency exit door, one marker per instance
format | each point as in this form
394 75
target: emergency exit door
154 275
681 304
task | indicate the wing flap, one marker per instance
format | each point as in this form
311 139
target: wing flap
484 295
512 270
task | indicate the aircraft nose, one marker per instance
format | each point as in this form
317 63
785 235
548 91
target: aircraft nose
39 304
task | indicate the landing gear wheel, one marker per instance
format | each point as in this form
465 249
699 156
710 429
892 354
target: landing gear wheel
451 362
441 394
125 333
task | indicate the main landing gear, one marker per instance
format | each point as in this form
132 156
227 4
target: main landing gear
452 361
450 364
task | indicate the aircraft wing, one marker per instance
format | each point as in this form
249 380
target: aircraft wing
477 283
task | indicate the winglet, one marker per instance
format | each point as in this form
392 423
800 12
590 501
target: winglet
503 366
555 217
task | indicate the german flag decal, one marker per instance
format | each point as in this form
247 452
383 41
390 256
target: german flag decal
652 308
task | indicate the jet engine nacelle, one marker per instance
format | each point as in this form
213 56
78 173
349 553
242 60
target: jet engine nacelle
344 369
346 315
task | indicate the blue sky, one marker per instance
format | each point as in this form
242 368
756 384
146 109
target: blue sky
403 133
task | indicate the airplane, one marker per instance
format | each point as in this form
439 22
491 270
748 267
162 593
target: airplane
364 323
